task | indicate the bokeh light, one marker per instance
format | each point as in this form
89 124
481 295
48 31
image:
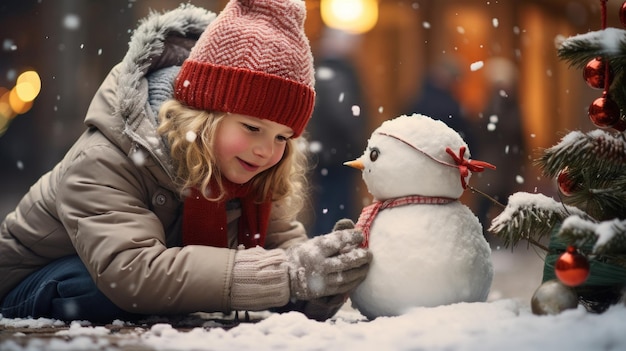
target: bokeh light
18 100
354 16
18 105
28 86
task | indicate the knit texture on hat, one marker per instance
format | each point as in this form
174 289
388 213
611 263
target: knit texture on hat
253 59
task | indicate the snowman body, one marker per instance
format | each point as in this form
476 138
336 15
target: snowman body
424 254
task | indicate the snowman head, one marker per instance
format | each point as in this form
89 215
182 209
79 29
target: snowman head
416 155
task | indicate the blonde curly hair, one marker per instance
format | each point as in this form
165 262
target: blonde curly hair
191 133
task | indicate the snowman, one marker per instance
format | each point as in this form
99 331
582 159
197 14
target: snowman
428 248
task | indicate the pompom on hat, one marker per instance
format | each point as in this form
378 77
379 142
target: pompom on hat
253 59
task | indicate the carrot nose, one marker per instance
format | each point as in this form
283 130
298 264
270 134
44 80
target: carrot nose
355 164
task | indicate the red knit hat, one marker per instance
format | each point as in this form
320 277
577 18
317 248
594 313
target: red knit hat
253 59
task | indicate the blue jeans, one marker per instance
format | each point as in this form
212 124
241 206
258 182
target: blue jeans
62 290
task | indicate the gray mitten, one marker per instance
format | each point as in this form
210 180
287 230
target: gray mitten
326 265
344 223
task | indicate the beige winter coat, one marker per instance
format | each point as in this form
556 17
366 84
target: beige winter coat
112 200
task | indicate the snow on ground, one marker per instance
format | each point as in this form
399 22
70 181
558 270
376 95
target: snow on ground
504 322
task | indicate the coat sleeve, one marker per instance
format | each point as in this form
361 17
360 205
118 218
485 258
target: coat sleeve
283 232
102 201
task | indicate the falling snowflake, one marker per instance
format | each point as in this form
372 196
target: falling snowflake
191 136
71 21
476 66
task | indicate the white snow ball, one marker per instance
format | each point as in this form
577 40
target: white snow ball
493 119
316 283
154 141
324 172
519 179
475 66
491 127
495 22
426 25
325 73
9 45
186 83
11 74
380 109
315 146
460 30
71 21
356 110
341 96
191 136
138 157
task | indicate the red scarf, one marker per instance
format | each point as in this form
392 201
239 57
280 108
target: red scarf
368 214
204 221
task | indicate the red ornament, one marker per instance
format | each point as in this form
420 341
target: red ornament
604 112
566 184
622 14
572 268
594 73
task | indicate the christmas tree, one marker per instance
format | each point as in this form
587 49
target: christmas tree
586 256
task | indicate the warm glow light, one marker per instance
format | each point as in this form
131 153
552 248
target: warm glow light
6 112
28 86
354 16
18 100
18 105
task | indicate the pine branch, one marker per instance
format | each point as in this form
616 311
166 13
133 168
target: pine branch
605 238
530 217
595 164
597 150
599 194
610 44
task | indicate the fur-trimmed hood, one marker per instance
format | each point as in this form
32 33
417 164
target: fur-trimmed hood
120 108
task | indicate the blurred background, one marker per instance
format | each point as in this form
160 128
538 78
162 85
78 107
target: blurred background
488 68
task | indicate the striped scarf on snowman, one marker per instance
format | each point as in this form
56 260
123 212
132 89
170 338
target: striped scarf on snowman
368 214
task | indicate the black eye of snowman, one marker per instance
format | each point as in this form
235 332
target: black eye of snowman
374 153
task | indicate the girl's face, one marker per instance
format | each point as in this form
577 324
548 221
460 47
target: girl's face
246 146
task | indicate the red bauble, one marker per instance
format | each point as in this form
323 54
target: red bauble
604 112
567 186
622 14
594 73
572 268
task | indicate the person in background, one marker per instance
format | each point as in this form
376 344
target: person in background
501 138
337 131
181 195
437 98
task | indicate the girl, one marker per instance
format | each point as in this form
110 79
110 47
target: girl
181 195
